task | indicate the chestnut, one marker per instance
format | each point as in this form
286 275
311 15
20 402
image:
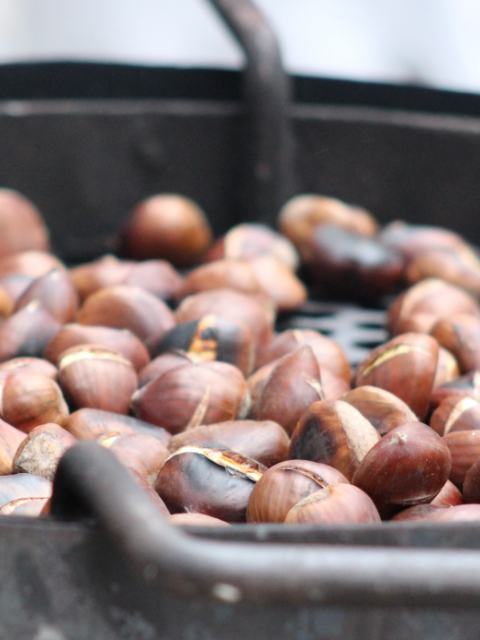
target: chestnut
251 240
460 334
464 448
279 283
40 452
213 337
28 400
167 226
158 277
88 424
131 308
264 441
405 366
408 466
30 365
471 484
161 364
334 504
56 294
139 452
10 439
293 385
221 274
214 481
334 433
466 386
382 409
27 332
95 377
30 264
456 414
107 271
413 239
449 496
285 484
23 494
21 223
301 215
447 368
193 394
123 341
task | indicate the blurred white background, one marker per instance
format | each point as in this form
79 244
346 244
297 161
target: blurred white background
429 42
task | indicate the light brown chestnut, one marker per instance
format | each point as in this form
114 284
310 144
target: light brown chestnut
192 395
123 341
264 441
40 452
221 274
250 240
405 366
95 377
408 466
130 308
447 368
30 365
56 294
139 452
292 386
161 364
213 481
460 334
88 424
10 439
28 400
334 433
279 283
336 504
302 214
449 496
23 494
31 264
285 484
158 277
167 226
382 409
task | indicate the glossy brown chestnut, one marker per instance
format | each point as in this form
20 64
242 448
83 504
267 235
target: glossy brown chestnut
56 294
449 496
464 447
382 409
285 484
250 240
405 366
456 414
88 424
167 226
335 504
264 441
28 400
257 314
161 364
130 308
21 224
40 452
328 353
293 385
123 341
27 332
139 452
334 433
192 395
213 481
213 338
95 377
300 216
408 466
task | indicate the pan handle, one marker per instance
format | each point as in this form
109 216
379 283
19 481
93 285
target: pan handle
268 170
91 482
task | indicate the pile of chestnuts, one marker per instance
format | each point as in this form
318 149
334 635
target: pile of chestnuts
169 357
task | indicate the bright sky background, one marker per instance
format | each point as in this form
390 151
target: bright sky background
432 42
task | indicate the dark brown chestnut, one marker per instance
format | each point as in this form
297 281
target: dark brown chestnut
334 433
408 466
213 481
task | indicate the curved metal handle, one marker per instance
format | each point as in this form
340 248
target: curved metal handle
268 170
90 481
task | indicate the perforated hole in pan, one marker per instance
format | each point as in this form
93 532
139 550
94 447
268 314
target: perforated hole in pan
355 329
